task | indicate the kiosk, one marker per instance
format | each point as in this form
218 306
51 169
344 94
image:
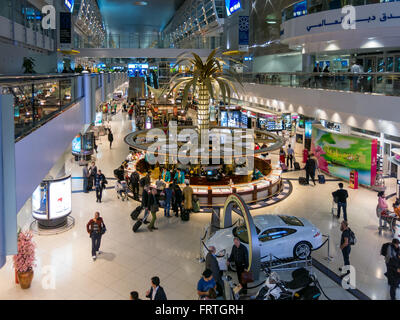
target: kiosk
51 203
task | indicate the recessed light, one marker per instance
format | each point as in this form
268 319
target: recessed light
140 3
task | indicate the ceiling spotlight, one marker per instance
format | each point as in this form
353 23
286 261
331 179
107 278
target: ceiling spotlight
140 3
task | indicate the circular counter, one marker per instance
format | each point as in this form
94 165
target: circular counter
215 194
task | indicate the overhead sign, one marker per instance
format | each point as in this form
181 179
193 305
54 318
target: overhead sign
232 6
65 30
69 4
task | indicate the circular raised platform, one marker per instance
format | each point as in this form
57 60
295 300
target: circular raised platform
36 229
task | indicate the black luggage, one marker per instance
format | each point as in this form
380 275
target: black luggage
303 181
321 179
135 213
137 225
309 293
90 185
296 166
185 215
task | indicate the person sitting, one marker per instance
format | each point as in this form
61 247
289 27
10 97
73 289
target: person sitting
382 211
206 283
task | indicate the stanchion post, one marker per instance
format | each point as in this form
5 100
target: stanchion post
328 258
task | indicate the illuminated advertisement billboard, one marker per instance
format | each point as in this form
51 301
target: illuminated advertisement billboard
338 154
60 204
232 6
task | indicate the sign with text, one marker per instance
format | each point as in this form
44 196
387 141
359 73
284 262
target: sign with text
65 30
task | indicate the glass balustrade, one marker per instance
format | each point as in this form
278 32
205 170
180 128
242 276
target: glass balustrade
38 99
384 83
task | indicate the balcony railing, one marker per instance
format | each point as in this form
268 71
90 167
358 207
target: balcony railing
37 99
384 83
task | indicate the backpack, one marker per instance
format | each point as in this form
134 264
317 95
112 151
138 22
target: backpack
142 182
134 178
352 238
384 249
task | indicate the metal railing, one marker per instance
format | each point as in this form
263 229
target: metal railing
301 8
384 83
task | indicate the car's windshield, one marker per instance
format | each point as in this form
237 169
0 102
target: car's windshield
241 233
292 221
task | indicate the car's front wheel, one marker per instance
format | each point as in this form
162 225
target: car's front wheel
302 250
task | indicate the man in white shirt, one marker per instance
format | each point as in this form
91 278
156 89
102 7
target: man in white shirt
290 157
356 68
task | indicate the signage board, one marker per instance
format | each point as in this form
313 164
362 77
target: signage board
69 4
232 6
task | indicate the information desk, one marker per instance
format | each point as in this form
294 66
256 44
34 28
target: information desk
214 193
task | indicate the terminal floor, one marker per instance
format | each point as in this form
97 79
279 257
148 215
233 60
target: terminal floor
130 260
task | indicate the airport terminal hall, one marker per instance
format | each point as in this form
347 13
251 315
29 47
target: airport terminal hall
180 151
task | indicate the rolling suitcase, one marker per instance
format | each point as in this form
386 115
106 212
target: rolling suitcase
137 225
185 215
303 181
135 213
284 167
296 166
321 179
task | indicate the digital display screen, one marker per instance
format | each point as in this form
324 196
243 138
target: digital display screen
39 202
99 119
308 129
77 144
232 6
60 198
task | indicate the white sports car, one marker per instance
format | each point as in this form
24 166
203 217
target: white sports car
279 235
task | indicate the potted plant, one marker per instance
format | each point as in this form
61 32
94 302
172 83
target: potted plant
24 259
28 65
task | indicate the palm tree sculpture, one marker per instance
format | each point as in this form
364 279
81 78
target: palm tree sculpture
209 79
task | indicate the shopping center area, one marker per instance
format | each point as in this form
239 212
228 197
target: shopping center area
227 150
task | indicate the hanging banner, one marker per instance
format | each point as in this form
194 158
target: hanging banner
65 30
244 27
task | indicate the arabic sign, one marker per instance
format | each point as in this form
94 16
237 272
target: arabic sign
368 16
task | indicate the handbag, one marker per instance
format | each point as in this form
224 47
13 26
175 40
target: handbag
247 277
103 230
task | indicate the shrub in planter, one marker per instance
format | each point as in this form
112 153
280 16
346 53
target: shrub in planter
24 259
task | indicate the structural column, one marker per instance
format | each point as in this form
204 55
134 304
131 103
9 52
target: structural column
8 202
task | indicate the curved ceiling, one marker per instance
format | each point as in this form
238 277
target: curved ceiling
123 16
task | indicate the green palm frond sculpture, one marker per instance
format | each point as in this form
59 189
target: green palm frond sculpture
209 79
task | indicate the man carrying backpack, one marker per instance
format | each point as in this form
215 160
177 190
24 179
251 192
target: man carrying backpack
390 250
346 240
393 275
134 180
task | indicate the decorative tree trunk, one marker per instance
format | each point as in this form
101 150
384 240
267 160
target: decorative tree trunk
203 113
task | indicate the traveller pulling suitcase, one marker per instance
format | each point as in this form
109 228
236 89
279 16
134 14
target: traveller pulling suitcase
135 213
139 223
